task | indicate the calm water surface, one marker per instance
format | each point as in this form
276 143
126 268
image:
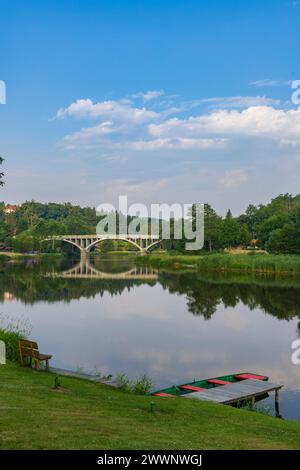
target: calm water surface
112 317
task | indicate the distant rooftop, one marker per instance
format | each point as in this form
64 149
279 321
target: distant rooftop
9 208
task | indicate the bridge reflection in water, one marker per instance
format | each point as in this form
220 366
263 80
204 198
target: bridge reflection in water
85 270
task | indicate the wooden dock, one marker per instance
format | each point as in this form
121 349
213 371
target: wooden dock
238 392
81 375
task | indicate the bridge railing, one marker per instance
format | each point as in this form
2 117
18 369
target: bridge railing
108 236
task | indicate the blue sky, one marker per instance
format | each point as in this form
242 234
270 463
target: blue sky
170 101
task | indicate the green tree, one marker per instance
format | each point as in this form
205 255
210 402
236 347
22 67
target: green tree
285 240
106 246
267 226
29 213
228 214
212 225
24 243
244 235
2 214
294 215
251 219
229 234
76 225
45 228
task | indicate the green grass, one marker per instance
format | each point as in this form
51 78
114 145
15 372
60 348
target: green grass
222 262
169 261
259 263
93 416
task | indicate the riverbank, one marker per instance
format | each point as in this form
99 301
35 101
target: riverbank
13 254
85 415
226 262
250 263
8 255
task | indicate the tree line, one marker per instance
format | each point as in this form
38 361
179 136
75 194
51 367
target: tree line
274 227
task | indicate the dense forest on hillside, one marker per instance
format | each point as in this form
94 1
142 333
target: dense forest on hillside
274 227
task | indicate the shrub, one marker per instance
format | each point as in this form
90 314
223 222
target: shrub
123 382
142 385
139 386
11 330
11 343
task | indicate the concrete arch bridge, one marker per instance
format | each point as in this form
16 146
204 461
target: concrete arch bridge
85 243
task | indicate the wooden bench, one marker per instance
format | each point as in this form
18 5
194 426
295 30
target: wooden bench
30 349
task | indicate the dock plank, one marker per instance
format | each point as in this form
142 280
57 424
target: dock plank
81 375
235 392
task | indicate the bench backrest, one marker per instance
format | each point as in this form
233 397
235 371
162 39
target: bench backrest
29 349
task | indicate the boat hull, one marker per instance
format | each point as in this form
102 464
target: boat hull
190 387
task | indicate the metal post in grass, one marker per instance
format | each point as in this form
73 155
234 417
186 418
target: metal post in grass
2 352
278 415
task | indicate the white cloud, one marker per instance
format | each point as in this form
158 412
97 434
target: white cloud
259 121
241 101
112 110
88 135
178 144
121 126
149 95
93 136
233 179
267 82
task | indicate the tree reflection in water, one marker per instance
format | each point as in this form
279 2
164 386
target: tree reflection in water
31 281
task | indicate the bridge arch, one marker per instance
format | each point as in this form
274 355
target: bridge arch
157 242
96 242
66 241
74 244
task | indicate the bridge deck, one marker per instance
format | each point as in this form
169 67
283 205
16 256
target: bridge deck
105 236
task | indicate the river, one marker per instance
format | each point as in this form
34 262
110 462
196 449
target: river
110 316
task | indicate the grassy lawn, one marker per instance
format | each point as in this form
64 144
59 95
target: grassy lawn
92 416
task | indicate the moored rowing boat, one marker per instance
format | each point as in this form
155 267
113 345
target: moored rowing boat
204 384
